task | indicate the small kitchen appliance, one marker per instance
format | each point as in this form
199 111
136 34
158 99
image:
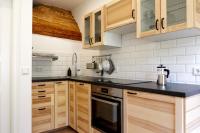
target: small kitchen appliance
163 74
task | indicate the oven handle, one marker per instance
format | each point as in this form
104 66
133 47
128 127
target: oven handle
101 100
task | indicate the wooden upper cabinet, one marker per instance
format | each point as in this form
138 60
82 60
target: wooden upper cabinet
148 17
119 13
83 97
168 16
153 113
61 104
93 29
88 32
72 105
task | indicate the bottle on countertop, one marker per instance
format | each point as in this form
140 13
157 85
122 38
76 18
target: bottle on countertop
69 72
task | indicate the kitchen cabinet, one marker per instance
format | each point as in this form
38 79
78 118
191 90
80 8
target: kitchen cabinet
72 105
61 104
94 36
93 29
119 13
42 107
80 106
146 112
167 18
83 97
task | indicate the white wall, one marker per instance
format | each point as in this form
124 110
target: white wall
64 48
5 43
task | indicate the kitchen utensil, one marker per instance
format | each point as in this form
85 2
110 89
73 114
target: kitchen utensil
92 65
112 68
163 74
106 65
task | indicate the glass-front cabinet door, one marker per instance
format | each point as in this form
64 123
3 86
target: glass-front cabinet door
87 33
173 15
148 17
98 27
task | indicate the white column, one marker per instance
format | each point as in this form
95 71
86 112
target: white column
21 63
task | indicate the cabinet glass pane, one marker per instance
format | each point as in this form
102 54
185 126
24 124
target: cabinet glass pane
176 12
147 15
98 27
87 30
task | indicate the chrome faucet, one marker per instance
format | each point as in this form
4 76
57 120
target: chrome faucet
74 63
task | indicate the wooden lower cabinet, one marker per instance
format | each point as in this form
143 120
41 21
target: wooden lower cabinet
83 97
42 107
72 105
49 106
152 113
61 104
80 107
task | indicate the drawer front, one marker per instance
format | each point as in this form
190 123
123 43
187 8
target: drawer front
42 88
42 100
42 119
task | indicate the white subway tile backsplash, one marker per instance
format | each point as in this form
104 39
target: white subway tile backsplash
186 60
185 77
176 51
183 42
168 60
137 59
168 44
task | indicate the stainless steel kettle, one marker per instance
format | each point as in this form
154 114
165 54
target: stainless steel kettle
163 74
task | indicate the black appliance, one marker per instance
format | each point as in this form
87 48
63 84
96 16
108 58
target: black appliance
107 109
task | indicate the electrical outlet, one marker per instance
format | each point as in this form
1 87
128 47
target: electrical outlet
196 71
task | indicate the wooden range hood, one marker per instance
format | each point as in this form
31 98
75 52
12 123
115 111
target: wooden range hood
56 22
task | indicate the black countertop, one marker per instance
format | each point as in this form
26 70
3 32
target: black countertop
171 89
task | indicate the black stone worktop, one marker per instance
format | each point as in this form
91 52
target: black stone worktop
171 89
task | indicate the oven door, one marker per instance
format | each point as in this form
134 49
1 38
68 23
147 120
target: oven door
107 114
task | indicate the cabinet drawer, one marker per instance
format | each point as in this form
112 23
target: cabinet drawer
43 100
42 88
42 119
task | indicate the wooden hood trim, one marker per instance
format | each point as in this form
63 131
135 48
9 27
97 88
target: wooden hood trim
56 22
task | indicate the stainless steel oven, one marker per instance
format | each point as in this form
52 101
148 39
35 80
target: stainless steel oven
107 109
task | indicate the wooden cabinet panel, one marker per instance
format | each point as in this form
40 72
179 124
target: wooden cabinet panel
148 115
42 107
119 13
61 104
83 97
72 105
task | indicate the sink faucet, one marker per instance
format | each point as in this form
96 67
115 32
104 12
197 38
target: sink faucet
74 63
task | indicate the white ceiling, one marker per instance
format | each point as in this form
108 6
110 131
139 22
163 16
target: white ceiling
65 4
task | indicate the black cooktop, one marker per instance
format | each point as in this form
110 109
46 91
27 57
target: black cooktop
119 81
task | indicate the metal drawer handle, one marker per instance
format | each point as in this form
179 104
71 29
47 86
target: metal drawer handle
133 13
41 108
41 91
58 82
81 84
42 85
41 96
157 20
132 93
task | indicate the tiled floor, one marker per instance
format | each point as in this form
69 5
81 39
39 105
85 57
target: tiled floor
65 130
